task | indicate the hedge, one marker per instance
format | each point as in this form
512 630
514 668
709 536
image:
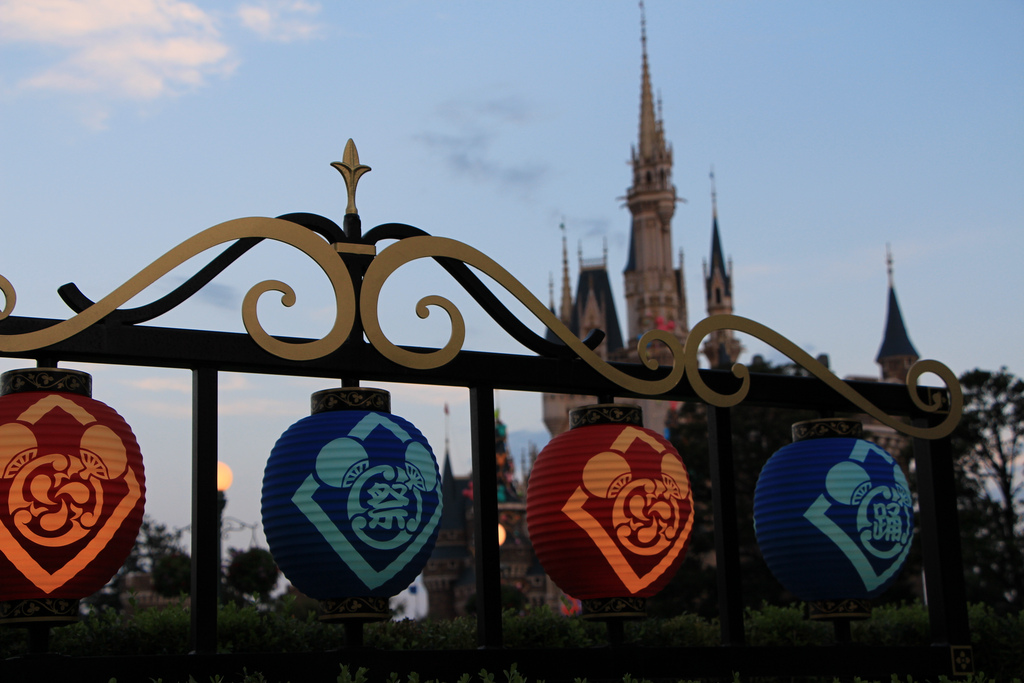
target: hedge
998 641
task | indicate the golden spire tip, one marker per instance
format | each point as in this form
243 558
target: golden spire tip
351 170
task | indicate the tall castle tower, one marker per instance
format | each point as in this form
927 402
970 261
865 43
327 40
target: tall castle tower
655 291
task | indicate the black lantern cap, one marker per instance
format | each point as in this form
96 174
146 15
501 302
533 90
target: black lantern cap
606 414
350 398
828 428
46 379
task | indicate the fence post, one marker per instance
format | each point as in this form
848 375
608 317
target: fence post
205 513
723 501
485 517
940 540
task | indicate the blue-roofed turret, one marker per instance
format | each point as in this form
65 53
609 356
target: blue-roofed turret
897 353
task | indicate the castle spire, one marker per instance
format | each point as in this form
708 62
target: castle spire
888 263
566 310
897 353
648 118
714 197
718 265
653 294
722 349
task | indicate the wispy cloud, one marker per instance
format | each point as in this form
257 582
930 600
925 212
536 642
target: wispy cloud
470 151
181 385
135 49
256 406
282 21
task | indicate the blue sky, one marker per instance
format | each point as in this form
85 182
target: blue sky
833 128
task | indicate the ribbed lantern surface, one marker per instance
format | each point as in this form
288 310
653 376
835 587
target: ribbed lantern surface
351 498
72 486
609 506
833 516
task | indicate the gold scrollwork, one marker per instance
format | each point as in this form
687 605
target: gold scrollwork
10 297
279 230
935 403
412 248
685 359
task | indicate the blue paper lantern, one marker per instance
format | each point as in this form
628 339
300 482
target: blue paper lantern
351 498
833 516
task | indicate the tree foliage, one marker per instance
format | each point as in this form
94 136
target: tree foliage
757 432
989 450
153 543
252 573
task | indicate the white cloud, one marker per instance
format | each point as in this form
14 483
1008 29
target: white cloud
137 49
257 406
281 20
181 385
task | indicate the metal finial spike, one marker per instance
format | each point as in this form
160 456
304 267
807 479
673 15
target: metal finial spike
351 170
714 193
643 28
888 262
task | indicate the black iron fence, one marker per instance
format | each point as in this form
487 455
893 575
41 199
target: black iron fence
357 350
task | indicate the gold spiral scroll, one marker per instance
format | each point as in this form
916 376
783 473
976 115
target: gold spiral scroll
279 230
10 297
935 404
412 248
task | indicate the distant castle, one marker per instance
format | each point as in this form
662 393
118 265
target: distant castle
655 289
450 573
655 293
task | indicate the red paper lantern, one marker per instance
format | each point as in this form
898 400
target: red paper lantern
609 509
72 490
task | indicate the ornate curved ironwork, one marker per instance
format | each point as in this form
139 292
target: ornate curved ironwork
78 302
935 404
491 304
302 238
423 246
306 232
10 297
324 241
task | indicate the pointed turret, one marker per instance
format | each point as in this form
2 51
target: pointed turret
721 349
566 309
897 353
718 274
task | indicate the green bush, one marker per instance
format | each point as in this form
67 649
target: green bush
688 630
787 626
997 639
998 642
893 625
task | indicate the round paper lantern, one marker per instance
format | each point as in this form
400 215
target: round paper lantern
72 490
609 510
351 502
833 514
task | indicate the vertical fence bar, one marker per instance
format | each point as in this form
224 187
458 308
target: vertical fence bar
723 501
485 517
205 513
940 540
